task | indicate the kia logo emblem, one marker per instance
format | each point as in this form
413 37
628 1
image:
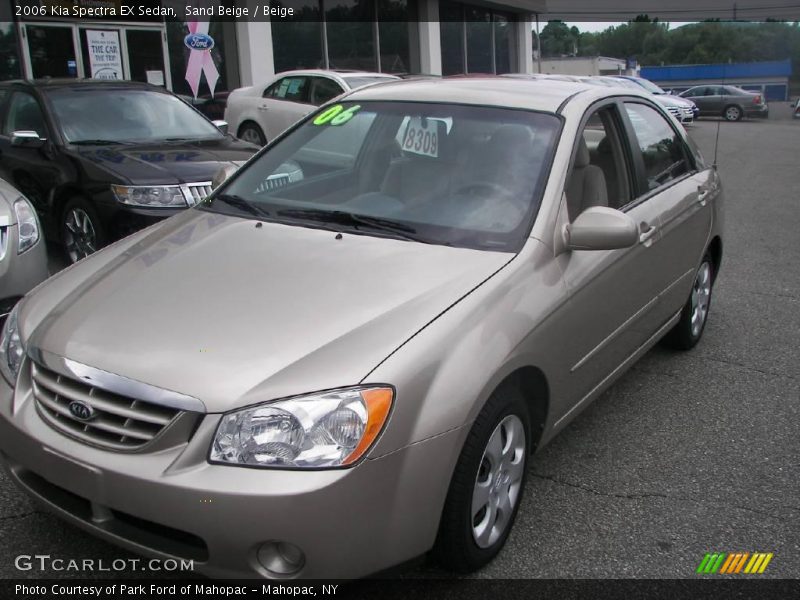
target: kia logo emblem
81 410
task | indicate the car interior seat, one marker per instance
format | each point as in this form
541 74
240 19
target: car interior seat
587 183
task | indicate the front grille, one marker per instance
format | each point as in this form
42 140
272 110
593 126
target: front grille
116 421
273 182
195 192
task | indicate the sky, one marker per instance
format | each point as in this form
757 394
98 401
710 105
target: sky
595 27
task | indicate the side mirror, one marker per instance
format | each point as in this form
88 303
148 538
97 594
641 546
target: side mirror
601 228
222 175
221 125
27 139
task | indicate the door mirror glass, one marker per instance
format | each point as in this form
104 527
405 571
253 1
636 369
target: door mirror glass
27 139
601 228
221 125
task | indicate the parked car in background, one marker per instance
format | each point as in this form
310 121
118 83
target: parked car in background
259 113
23 257
797 109
212 106
101 159
683 109
728 101
355 366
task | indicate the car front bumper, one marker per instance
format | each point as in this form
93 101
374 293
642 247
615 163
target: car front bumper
20 273
174 504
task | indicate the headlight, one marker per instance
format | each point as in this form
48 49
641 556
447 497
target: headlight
152 196
329 429
27 225
11 349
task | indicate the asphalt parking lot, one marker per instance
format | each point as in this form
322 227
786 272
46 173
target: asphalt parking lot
686 454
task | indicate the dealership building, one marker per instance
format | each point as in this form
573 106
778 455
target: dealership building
392 36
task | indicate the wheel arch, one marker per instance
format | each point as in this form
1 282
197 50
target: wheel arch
532 383
715 250
254 123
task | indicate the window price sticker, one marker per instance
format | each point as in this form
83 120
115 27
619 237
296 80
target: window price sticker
421 137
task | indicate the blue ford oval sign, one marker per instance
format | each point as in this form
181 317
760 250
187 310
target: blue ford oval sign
199 41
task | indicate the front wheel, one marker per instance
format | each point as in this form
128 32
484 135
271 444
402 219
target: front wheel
688 331
81 230
487 485
250 132
732 113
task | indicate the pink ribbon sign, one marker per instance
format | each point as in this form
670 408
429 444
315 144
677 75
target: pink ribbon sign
200 61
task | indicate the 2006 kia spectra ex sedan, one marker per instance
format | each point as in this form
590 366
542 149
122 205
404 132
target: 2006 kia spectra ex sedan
345 357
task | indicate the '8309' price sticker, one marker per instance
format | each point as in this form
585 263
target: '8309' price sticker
421 137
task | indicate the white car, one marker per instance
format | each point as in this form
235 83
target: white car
260 113
23 258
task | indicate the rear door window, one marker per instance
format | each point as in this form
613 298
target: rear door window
291 89
662 149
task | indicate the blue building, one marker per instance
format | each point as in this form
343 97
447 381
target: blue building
768 78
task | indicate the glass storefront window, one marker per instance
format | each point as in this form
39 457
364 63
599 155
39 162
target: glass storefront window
10 57
480 57
355 38
488 35
297 40
52 51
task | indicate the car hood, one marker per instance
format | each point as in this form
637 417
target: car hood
169 163
233 314
667 100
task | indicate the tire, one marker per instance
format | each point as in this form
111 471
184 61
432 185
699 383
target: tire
82 232
493 452
250 132
689 329
732 113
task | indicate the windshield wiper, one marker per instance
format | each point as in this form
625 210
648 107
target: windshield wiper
241 204
356 221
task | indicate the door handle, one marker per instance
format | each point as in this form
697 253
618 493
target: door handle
646 236
702 196
263 107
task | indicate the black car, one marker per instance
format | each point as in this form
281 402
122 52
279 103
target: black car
101 159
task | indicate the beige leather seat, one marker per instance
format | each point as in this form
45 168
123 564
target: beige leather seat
587 184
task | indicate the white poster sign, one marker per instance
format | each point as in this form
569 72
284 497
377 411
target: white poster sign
105 55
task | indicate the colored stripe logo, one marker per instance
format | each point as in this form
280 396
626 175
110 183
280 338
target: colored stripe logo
731 563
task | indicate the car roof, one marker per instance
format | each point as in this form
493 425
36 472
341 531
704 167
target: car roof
546 95
62 82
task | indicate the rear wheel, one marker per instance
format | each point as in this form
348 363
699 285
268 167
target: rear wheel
81 230
688 331
732 113
487 485
250 132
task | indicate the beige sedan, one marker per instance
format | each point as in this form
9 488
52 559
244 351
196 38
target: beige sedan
327 372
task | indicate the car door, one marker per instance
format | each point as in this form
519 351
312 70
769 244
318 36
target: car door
677 191
284 103
612 292
29 166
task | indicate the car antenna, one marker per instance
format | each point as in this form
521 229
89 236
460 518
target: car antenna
719 122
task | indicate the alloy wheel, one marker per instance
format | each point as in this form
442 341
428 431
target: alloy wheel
497 484
251 134
80 237
732 113
701 296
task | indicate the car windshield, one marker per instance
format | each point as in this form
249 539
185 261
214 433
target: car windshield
357 82
88 115
467 176
650 86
